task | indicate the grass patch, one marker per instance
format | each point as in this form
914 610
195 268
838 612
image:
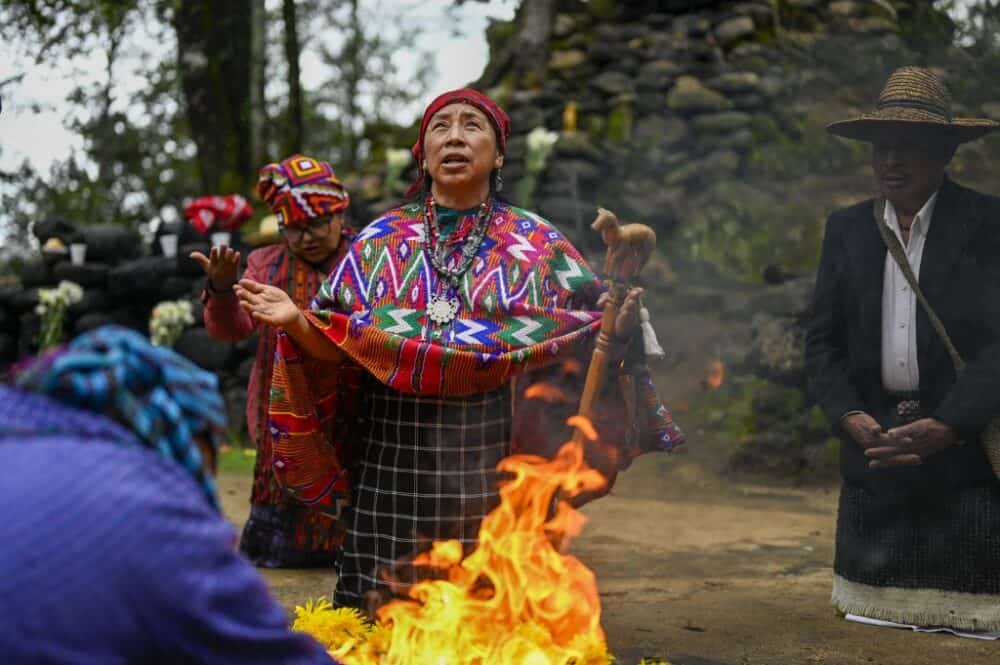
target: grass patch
753 425
234 459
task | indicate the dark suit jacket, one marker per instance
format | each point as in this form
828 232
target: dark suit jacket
960 276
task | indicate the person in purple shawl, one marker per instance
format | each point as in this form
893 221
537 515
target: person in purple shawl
114 549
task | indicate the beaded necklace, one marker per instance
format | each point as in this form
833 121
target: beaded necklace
442 308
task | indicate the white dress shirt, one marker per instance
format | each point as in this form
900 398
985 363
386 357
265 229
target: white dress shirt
900 372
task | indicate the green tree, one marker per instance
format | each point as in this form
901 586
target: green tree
349 116
135 160
213 60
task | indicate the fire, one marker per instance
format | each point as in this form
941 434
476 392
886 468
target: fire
517 599
546 393
715 375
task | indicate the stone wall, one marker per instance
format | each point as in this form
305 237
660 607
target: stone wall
679 106
706 121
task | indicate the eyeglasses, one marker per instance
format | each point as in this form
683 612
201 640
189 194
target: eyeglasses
318 230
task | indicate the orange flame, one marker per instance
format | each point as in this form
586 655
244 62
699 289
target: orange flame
517 599
572 367
716 374
546 393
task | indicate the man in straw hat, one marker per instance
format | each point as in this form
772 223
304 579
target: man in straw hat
918 530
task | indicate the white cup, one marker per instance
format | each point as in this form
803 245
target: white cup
168 243
220 238
77 253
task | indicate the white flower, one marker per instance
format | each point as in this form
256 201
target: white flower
540 143
397 159
541 140
46 297
71 292
168 320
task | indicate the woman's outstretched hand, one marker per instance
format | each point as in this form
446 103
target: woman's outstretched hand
266 304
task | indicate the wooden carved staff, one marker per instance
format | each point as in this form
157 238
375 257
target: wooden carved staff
629 247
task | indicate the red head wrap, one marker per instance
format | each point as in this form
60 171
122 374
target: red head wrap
496 115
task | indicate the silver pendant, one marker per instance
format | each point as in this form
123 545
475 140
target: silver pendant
442 310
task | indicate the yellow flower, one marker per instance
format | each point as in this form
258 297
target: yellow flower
380 638
338 630
593 652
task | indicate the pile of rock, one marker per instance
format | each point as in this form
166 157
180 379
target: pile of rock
122 281
669 97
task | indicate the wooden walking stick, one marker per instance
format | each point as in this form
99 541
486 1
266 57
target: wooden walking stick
629 247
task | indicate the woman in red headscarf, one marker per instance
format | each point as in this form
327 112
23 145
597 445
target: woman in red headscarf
443 302
309 202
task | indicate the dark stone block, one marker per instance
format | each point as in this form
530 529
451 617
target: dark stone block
8 295
196 345
187 266
111 243
8 321
8 348
130 318
88 275
567 213
94 300
92 320
36 272
54 228
527 117
175 287
141 276
24 301
27 339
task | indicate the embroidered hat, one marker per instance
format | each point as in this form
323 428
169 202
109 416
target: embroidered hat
300 189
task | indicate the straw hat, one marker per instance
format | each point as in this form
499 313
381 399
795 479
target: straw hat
913 98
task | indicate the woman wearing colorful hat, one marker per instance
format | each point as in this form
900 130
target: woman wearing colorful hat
309 202
903 355
451 304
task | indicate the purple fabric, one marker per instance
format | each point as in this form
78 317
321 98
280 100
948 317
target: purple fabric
111 554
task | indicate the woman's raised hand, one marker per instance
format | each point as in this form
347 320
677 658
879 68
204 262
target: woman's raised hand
221 265
266 304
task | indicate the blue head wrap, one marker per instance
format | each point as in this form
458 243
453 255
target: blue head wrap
164 398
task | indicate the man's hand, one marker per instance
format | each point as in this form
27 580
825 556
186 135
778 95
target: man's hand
911 444
865 430
221 265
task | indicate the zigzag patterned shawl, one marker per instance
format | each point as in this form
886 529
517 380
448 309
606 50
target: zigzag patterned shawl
519 303
519 308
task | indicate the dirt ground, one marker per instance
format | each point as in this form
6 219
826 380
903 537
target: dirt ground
700 569
703 571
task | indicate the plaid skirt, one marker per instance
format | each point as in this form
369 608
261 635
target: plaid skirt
425 471
920 545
